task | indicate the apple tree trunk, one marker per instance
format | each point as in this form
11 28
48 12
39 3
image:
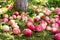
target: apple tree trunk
21 4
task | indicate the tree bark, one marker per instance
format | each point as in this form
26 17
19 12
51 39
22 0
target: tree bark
21 4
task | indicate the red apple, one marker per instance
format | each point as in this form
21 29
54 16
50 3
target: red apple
54 20
15 13
46 18
57 36
32 27
37 18
57 10
58 22
30 19
9 7
54 30
13 16
55 25
28 23
56 16
47 11
16 31
43 24
23 14
38 28
27 32
24 18
4 20
48 22
12 22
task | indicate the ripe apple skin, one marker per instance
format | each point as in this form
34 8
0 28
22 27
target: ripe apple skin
57 36
27 32
54 30
16 31
38 28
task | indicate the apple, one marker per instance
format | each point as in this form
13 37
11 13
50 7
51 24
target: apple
15 26
58 22
37 18
52 8
16 13
31 27
55 25
30 19
12 22
54 20
24 18
4 20
23 14
41 14
57 10
27 32
48 28
5 16
9 7
46 18
16 31
54 30
43 24
38 28
48 22
56 16
13 16
28 23
47 11
57 36
19 17
5 27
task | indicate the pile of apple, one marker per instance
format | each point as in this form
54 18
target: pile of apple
47 23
